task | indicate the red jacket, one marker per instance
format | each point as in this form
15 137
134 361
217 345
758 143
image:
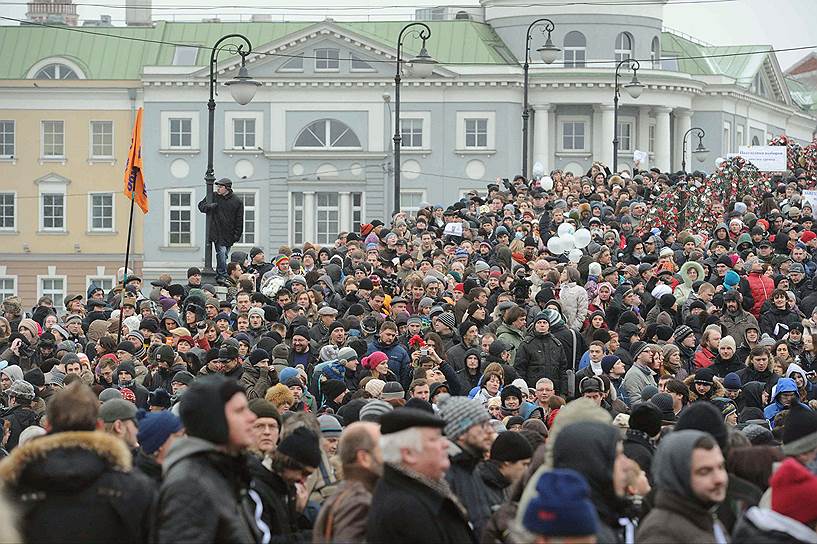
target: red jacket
703 358
761 288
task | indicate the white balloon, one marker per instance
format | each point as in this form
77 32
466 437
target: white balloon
718 161
568 242
575 255
554 245
582 237
546 183
538 169
566 228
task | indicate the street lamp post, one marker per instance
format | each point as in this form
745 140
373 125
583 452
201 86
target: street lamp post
242 89
699 152
634 89
421 66
548 54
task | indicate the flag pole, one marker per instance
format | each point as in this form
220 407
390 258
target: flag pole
125 276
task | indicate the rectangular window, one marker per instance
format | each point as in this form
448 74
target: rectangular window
101 139
181 132
327 59
476 133
357 211
248 237
297 218
8 211
739 135
106 283
6 139
411 132
54 288
575 57
652 139
573 136
53 139
8 286
180 218
410 200
624 132
185 55
101 211
53 211
244 133
327 215
727 137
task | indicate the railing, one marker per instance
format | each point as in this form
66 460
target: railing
686 36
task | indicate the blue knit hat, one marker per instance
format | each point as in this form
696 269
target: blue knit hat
155 428
287 373
561 506
732 381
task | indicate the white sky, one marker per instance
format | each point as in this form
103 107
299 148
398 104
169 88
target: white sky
780 23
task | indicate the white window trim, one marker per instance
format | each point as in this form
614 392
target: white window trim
229 132
426 117
91 155
166 116
291 216
420 192
91 207
43 156
90 277
256 221
358 58
574 49
562 119
727 146
362 207
654 127
53 187
630 52
13 228
328 209
327 133
58 307
166 219
13 279
325 70
491 137
740 135
623 119
56 60
13 155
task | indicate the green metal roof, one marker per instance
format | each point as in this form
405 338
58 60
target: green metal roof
673 45
118 53
735 62
803 96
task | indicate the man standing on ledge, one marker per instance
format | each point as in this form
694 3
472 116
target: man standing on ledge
226 220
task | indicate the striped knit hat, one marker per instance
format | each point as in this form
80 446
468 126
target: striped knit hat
460 414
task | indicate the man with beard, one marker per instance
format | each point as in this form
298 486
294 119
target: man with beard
470 339
164 357
343 516
301 353
758 367
735 320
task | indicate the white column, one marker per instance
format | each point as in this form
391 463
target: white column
683 122
662 138
345 212
309 216
541 136
598 138
643 133
607 134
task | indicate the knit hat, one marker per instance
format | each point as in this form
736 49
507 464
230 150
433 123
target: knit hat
375 387
646 417
705 375
607 363
128 367
257 355
347 354
21 389
800 431
303 446
727 341
392 391
648 393
330 426
160 398
110 393
758 435
560 506
35 377
117 409
511 391
165 354
510 446
793 489
637 348
682 332
373 360
374 410
460 414
255 310
732 382
726 406
448 319
663 401
202 407
183 376
155 428
332 389
703 416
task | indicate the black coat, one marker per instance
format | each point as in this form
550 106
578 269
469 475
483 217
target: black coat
278 499
78 487
469 488
496 484
204 495
433 517
20 418
226 217
637 446
542 356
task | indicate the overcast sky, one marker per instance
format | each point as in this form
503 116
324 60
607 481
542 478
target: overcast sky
780 23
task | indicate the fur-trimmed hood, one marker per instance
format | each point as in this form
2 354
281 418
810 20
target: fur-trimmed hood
717 389
65 461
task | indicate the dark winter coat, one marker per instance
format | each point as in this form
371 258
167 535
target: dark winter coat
278 499
78 487
761 526
256 381
469 488
226 217
777 323
496 484
20 418
639 448
541 356
676 519
434 517
204 495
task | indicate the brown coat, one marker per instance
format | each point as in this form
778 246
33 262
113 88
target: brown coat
676 519
343 516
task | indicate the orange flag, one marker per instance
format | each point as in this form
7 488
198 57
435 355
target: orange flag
134 179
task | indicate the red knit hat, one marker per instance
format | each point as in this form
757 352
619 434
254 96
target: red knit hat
807 236
372 361
793 490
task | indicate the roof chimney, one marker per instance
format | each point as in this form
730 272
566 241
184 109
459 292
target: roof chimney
138 13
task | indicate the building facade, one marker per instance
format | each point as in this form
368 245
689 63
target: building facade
311 155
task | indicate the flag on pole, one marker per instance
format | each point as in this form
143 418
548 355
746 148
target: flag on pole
134 179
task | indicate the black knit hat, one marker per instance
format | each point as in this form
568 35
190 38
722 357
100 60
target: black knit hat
264 408
332 388
303 446
800 431
703 416
705 375
511 391
35 377
511 446
646 417
682 332
128 367
257 355
202 407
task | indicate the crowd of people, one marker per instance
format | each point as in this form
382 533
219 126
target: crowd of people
438 377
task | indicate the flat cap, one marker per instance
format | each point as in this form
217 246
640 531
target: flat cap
406 418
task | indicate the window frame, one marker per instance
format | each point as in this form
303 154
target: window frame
655 53
630 122
166 116
167 219
327 137
329 208
328 68
565 119
3 143
59 306
358 209
43 156
412 209
13 227
574 50
52 188
726 134
297 208
91 277
490 117
230 117
619 52
91 196
283 68
15 286
92 155
256 218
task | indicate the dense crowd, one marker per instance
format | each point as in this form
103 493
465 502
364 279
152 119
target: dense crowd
533 363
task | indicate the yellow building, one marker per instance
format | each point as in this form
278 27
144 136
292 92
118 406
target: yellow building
64 139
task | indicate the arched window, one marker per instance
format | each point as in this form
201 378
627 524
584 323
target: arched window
56 70
655 53
462 16
327 134
575 48
624 46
